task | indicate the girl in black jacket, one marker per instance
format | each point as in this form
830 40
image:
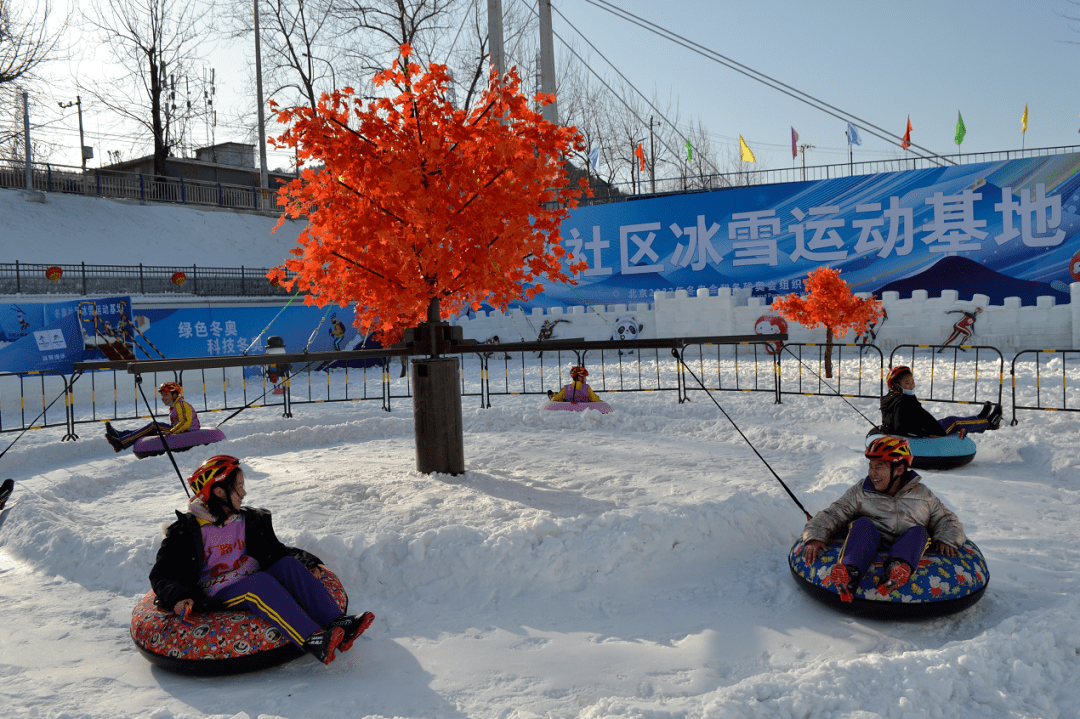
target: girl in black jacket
903 414
222 555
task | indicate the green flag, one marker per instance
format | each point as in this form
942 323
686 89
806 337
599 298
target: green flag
960 129
689 151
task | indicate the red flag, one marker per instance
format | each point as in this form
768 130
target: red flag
640 154
794 144
907 135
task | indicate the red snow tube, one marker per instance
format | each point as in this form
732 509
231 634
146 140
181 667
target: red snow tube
224 642
151 446
601 407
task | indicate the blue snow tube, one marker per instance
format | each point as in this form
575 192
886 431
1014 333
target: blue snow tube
941 585
936 452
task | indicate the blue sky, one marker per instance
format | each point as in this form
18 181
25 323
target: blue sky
927 59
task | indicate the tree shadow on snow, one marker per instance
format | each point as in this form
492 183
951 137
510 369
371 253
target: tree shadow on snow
376 677
537 494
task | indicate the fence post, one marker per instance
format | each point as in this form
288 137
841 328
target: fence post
242 279
194 281
18 284
48 170
97 176
220 196
142 287
142 189
183 193
84 279
254 198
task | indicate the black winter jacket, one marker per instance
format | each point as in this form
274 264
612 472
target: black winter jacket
902 414
175 575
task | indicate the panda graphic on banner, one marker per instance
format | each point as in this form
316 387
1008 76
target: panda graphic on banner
626 328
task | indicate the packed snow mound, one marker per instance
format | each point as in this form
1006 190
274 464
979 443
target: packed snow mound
623 565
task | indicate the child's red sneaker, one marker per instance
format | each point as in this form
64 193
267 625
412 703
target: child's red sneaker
898 572
846 577
352 626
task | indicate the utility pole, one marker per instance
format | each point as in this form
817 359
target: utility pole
259 90
82 143
802 151
547 61
26 134
495 36
652 158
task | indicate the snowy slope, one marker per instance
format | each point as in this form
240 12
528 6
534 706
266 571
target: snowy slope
627 565
71 229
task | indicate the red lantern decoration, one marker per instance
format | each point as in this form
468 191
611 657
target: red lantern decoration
275 282
179 278
54 273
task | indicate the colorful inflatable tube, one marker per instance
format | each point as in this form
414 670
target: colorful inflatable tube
215 643
601 407
941 585
152 446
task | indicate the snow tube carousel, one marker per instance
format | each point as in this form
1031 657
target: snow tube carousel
215 643
151 446
941 585
936 452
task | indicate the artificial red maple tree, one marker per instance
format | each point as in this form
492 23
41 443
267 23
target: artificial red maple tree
829 301
420 205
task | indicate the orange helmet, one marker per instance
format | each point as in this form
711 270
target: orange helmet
171 387
890 449
211 472
895 374
578 371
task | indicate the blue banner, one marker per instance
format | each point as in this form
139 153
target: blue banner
55 335
1002 229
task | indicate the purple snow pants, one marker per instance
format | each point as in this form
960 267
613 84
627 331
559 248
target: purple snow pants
863 540
953 425
288 596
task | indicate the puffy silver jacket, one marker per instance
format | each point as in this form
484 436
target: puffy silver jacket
913 505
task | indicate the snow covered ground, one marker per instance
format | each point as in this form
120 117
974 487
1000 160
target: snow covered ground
627 565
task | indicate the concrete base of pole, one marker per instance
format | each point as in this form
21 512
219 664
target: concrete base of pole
440 441
34 196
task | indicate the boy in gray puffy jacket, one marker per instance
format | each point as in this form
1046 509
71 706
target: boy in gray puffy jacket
889 507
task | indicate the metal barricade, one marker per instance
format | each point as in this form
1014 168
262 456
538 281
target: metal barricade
858 370
984 385
1070 395
19 397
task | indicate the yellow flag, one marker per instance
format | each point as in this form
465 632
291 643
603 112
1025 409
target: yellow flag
744 152
1023 121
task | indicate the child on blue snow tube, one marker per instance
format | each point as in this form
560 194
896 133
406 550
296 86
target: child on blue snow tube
889 508
903 414
223 555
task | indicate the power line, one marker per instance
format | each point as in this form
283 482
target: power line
761 77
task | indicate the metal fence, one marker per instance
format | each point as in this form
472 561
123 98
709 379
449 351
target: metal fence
137 186
1054 366
96 280
103 182
1042 379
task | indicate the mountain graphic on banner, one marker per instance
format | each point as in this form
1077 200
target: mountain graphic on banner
962 275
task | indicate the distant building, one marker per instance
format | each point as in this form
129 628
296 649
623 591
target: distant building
230 163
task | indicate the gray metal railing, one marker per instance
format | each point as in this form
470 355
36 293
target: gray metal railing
83 279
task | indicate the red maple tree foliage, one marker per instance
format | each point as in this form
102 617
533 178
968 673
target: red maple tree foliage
418 204
829 301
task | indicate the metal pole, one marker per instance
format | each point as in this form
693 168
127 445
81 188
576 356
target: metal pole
259 91
26 134
495 36
652 159
82 141
547 61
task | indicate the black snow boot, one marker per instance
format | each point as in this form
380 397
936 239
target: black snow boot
353 626
987 408
6 489
322 644
994 418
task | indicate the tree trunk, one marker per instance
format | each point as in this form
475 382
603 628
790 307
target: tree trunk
828 352
436 390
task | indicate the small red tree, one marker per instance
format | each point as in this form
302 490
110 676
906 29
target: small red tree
417 202
829 301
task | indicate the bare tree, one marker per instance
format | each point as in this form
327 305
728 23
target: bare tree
29 36
156 43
